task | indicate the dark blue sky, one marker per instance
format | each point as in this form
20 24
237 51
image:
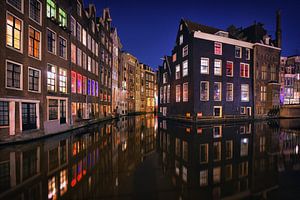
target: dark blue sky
148 28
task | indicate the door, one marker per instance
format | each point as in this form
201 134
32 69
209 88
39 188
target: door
217 111
249 113
28 116
63 113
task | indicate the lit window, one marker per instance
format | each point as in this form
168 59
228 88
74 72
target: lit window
273 73
13 75
62 47
34 47
217 131
263 93
89 64
204 178
96 88
84 60
245 92
73 26
51 78
178 88
78 8
177 74
218 48
73 53
204 66
180 39
217 174
244 70
62 80
18 4
93 88
185 97
51 41
165 80
4 113
51 9
238 52
203 153
84 37
229 68
35 11
185 51
34 79
248 54
218 67
79 60
168 94
174 57
84 84
217 91
264 72
79 83
204 90
229 92
244 146
89 87
62 17
78 32
185 68
73 82
53 109
13 32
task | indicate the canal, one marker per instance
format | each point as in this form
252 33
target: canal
143 157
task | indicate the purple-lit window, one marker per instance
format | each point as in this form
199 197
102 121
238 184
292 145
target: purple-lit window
93 88
89 87
97 88
79 84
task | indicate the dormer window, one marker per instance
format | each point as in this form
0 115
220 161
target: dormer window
180 39
238 52
218 48
78 8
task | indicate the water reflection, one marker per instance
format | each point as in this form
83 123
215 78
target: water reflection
142 158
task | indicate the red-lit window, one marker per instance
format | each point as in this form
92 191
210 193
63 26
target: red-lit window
244 70
79 84
73 82
84 85
229 68
218 48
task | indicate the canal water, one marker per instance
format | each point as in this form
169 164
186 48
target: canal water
143 157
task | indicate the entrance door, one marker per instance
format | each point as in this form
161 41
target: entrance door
28 116
63 113
217 111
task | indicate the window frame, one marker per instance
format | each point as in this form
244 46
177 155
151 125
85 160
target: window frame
41 13
232 91
22 6
185 69
206 92
40 77
22 33
220 61
220 88
227 62
4 125
185 51
55 41
207 59
235 50
221 48
185 98
55 77
40 43
248 99
55 9
66 47
60 81
21 75
178 89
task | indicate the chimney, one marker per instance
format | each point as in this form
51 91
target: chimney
278 29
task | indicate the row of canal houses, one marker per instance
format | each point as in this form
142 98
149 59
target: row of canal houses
213 73
60 67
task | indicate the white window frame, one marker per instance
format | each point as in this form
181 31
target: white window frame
185 51
221 111
80 8
22 6
55 45
185 98
207 90
220 84
178 98
248 93
40 45
41 12
248 52
22 33
207 59
21 75
238 47
221 46
180 39
66 47
232 69
177 72
227 91
40 78
187 68
215 61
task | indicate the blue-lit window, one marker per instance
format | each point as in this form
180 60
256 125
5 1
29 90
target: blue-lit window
93 87
89 87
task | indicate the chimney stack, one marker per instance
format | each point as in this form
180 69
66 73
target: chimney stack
278 29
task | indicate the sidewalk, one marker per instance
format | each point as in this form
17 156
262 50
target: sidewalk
39 134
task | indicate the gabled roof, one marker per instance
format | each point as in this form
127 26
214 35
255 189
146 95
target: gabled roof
192 26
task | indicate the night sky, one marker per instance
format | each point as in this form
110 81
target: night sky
148 28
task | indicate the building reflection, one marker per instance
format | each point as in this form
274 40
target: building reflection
86 164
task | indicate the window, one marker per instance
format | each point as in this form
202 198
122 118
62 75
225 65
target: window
13 75
238 52
165 80
34 80
51 41
228 172
180 39
229 68
168 94
177 74
218 67
273 73
96 88
4 113
217 151
84 60
204 66
243 110
204 178
203 153
229 92
185 68
178 88
62 17
263 93
73 82
185 51
51 9
53 109
264 72
217 174
229 149
244 146
89 64
51 78
13 32
185 97
84 83
93 88
73 53
78 8
248 54
34 43
217 91
62 47
218 48
18 4
217 111
62 80
78 32
204 90
35 11
174 57
79 84
217 131
244 70
245 92
79 57
73 26
89 87
84 37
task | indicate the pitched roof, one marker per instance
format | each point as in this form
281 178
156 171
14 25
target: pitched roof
192 26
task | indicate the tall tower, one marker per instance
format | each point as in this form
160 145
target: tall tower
278 29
